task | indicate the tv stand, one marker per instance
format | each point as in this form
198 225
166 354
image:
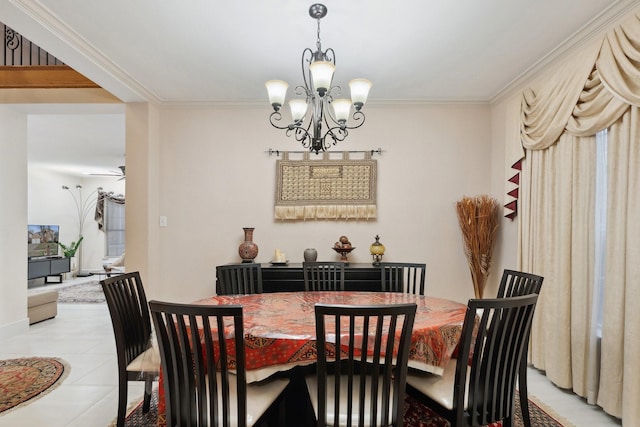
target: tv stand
46 267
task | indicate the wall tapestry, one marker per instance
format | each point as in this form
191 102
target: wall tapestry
326 188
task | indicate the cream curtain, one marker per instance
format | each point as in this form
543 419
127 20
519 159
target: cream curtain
558 183
619 391
596 89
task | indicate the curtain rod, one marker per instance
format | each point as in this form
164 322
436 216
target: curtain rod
278 152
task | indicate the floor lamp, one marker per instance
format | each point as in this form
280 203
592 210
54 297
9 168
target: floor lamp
84 206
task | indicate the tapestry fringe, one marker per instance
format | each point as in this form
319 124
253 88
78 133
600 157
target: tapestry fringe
326 212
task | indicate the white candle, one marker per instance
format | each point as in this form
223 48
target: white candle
278 256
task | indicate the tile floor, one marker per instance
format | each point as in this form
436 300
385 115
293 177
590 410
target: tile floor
81 334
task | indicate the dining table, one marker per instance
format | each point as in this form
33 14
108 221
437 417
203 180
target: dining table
280 334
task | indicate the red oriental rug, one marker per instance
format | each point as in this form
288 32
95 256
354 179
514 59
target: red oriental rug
23 380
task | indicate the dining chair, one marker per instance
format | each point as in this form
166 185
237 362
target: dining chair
516 283
235 279
323 276
138 356
478 387
403 277
358 384
203 385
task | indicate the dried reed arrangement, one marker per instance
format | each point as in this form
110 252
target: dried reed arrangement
478 218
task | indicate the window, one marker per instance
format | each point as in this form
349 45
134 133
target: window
114 228
600 228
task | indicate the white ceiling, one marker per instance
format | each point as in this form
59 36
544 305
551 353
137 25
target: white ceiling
213 52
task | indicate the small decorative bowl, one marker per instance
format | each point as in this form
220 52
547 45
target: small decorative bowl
344 252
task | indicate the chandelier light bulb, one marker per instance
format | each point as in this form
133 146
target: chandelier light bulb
359 92
277 90
322 74
341 109
298 109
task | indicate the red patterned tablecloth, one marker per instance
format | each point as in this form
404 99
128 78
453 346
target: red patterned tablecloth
280 328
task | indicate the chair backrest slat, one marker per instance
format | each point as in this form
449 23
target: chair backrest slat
237 279
323 276
198 380
494 337
515 283
403 277
375 382
129 313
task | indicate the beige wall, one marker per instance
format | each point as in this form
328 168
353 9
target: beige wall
505 253
143 192
215 177
13 222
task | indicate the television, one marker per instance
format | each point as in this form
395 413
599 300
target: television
43 240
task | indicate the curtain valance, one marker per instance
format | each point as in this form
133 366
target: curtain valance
619 61
587 93
102 196
546 110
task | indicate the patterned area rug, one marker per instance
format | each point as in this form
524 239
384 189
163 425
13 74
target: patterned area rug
90 292
24 380
416 415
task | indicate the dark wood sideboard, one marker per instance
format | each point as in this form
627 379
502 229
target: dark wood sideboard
289 278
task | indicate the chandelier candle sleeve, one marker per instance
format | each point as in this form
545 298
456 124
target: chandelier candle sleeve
317 109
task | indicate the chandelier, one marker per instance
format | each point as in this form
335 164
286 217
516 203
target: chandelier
324 111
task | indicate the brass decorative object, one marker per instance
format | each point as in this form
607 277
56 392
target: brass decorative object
377 250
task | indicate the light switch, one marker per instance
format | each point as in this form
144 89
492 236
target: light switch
163 221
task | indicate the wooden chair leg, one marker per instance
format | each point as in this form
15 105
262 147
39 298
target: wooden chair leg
507 422
146 405
524 398
122 401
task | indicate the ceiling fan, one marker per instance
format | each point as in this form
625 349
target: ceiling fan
120 173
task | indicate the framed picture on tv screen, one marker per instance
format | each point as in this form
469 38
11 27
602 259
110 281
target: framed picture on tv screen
43 240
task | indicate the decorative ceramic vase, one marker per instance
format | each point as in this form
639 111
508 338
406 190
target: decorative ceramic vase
310 255
248 250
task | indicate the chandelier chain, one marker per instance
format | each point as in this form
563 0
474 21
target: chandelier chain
318 42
